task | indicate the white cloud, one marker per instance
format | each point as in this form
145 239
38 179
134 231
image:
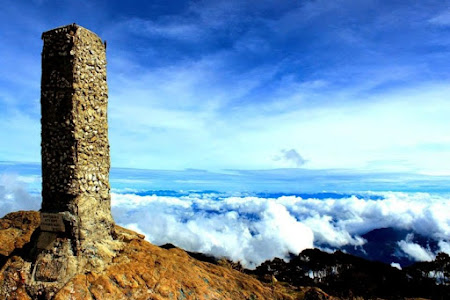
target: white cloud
290 157
444 246
252 229
247 229
416 251
14 195
325 232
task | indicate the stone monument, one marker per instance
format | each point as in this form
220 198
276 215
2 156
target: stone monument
76 222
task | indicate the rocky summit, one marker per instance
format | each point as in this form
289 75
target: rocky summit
139 270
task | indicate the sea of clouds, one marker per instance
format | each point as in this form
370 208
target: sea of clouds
252 229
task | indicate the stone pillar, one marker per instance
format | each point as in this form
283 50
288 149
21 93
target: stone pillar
76 209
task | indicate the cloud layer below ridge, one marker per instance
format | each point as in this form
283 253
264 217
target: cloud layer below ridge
254 229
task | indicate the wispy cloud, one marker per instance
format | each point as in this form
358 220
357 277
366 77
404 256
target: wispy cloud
227 84
250 182
442 18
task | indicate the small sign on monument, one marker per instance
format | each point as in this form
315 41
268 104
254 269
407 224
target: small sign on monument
52 222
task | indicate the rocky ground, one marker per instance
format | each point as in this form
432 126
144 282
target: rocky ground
139 271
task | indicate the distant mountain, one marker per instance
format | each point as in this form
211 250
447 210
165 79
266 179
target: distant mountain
382 245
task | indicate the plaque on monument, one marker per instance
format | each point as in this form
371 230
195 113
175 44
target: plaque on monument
52 222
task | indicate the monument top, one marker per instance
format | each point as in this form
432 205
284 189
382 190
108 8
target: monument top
66 28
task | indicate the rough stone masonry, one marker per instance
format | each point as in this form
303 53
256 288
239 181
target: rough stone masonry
76 222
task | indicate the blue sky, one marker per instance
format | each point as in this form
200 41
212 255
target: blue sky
249 85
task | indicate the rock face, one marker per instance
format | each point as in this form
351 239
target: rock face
139 271
16 230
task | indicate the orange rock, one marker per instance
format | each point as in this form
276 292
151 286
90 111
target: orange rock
13 281
139 271
16 230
